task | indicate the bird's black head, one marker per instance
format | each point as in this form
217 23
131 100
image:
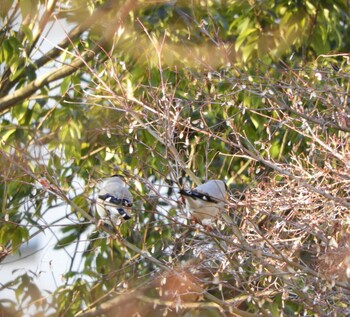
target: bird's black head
118 175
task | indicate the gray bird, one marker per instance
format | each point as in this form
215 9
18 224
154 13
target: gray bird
113 199
205 201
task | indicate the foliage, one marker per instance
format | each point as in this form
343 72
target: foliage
253 92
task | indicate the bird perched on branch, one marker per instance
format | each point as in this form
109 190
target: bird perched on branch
205 201
113 199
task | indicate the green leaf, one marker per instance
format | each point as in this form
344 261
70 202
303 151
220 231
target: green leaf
28 32
6 133
66 83
65 241
20 111
81 202
17 239
16 72
6 51
275 149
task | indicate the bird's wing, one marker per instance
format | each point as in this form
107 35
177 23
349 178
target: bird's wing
116 201
195 194
111 210
123 213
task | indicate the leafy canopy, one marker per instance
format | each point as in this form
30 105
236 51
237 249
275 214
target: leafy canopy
170 93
